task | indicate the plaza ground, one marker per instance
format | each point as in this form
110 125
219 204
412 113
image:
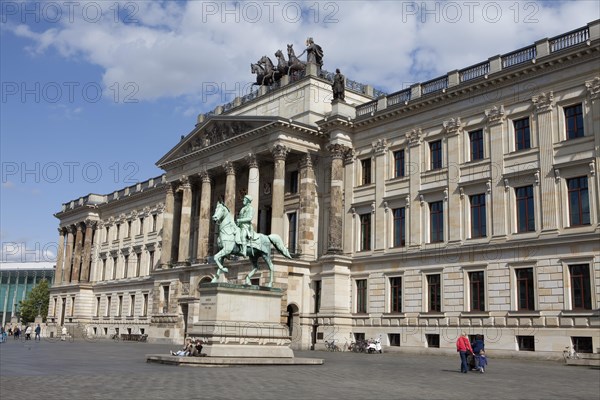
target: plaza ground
81 369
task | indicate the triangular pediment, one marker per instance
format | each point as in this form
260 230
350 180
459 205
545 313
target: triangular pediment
215 131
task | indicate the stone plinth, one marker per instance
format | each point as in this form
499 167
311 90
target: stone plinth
241 321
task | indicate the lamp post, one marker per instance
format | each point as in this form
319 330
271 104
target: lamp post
39 304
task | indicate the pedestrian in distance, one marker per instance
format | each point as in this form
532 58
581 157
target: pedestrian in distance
464 349
38 330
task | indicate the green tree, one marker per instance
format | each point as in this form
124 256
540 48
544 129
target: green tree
36 302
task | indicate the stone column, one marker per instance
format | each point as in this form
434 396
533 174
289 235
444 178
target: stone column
60 256
204 217
280 153
497 209
229 168
544 105
253 184
334 242
77 257
66 276
380 148
186 216
90 226
414 169
309 209
348 217
167 231
452 207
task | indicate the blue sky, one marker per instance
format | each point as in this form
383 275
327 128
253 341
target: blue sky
95 92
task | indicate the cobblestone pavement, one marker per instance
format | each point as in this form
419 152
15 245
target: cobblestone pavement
109 370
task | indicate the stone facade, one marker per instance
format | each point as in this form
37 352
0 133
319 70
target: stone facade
469 202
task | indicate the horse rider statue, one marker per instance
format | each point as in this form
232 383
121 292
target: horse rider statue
244 222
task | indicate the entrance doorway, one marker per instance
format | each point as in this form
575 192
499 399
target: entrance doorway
293 324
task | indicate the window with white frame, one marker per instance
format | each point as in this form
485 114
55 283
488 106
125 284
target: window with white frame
395 294
476 290
434 292
574 121
365 173
365 232
579 202
581 286
525 209
399 227
131 305
361 296
478 216
436 222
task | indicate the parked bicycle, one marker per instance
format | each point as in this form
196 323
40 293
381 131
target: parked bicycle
360 346
331 346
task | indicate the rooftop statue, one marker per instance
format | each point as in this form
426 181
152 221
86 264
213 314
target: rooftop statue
314 54
241 240
339 86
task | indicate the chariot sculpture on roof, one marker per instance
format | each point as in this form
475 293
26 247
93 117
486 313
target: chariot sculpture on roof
267 73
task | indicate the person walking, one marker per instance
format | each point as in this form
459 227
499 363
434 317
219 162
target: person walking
38 330
463 347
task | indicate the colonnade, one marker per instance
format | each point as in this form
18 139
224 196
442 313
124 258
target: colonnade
74 255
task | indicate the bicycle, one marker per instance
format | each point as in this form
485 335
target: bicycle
115 337
569 353
331 346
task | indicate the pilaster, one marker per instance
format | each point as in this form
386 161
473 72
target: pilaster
544 105
497 210
454 131
380 148
167 232
414 139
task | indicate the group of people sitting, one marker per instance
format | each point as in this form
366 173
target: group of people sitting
192 348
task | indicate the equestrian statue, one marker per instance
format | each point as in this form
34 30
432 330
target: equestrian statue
241 240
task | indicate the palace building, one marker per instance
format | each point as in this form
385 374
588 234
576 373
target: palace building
469 203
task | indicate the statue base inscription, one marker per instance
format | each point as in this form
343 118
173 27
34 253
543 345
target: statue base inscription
241 321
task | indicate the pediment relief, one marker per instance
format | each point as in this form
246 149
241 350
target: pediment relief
215 133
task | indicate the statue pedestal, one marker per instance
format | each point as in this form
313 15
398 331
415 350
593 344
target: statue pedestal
241 321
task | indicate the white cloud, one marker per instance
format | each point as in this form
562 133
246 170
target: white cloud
177 49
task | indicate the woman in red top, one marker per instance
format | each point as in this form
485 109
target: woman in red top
463 346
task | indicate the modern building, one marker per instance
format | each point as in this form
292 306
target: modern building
16 281
466 203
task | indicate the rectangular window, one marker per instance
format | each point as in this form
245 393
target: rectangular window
433 340
118 231
526 343
477 291
435 152
366 171
525 211
399 163
293 182
317 296
361 296
97 313
399 227
582 344
436 222
145 306
138 263
478 218
108 305
141 226
72 313
126 267
476 143
525 291
103 276
151 260
574 121
434 291
154 217
165 308
131 305
292 229
255 281
128 229
396 294
581 293
394 339
365 232
119 306
579 203
106 233
522 136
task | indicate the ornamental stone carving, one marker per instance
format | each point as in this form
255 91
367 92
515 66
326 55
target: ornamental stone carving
414 137
495 115
215 133
280 151
349 156
251 160
543 102
204 176
337 150
453 126
306 161
229 167
593 88
380 146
